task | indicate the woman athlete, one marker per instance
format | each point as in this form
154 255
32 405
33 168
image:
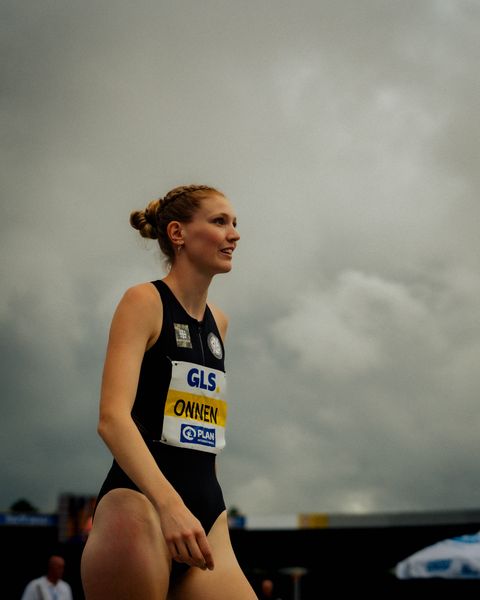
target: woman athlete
160 528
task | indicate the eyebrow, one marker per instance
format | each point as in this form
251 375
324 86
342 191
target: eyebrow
224 214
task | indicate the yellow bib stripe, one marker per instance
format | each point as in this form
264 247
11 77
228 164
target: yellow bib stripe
193 407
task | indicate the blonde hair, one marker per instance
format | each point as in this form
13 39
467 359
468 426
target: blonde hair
180 204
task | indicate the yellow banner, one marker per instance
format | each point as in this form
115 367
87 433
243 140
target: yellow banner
193 407
313 521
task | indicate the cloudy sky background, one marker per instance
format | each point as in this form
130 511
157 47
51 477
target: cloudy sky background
346 135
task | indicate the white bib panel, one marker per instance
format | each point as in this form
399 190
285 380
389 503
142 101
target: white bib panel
195 409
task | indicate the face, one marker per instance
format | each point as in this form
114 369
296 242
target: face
267 587
211 237
56 567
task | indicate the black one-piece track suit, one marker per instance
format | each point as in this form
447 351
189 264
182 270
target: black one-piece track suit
182 429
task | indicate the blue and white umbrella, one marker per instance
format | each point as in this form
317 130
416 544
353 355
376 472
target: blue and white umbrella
454 558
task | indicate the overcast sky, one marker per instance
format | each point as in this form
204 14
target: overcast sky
346 134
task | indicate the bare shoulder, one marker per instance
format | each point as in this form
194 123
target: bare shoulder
221 319
142 296
140 308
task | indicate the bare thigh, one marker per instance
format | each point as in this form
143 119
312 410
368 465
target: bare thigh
125 557
225 581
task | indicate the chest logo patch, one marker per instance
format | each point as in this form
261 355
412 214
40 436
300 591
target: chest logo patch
215 346
182 335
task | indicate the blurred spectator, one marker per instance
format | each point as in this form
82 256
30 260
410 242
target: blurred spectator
50 586
267 590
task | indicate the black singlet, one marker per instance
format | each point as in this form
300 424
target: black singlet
191 472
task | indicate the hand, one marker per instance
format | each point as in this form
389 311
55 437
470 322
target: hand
185 536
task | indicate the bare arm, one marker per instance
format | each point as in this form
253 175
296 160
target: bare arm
135 327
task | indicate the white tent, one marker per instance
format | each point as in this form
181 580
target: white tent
454 558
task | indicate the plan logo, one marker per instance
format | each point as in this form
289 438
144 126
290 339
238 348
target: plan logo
196 434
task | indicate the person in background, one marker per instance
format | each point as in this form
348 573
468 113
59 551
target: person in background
50 586
267 590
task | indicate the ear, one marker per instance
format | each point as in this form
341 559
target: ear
175 233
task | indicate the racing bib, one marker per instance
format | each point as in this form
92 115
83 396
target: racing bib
195 408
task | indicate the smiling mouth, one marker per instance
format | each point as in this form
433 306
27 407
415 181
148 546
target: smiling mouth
227 251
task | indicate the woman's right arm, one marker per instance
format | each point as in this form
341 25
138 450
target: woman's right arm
135 326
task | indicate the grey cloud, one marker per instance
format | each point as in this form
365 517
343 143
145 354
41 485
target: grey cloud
345 135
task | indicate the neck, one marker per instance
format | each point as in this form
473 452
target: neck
191 289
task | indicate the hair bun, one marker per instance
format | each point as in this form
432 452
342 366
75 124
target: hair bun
145 221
